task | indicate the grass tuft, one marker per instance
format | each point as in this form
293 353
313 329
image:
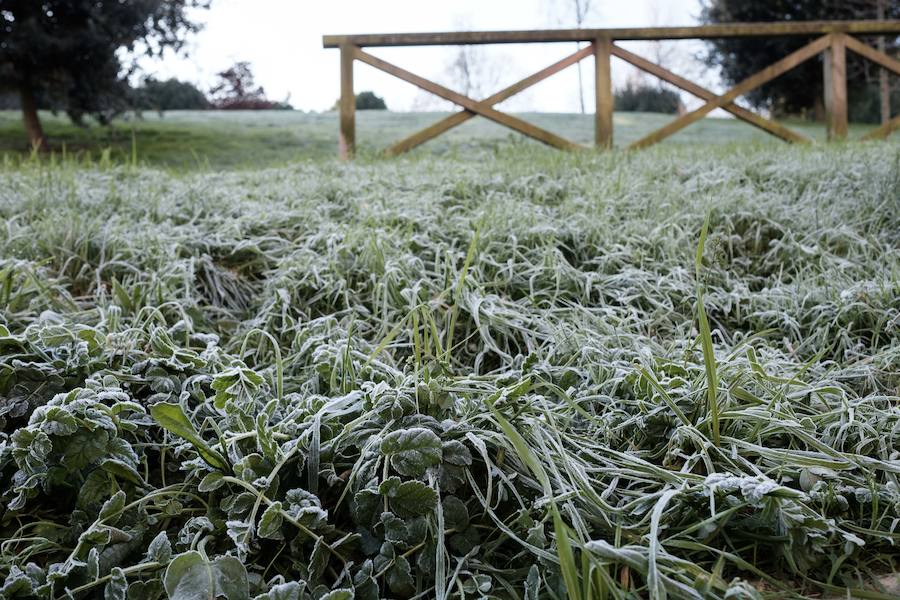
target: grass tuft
486 374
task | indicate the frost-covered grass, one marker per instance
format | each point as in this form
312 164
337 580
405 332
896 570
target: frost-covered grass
213 140
482 375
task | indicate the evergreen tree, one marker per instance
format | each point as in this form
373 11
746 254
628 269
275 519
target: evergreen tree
66 54
800 90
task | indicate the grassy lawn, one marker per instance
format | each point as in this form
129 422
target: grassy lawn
489 369
184 140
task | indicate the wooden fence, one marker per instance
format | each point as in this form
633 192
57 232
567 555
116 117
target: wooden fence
831 38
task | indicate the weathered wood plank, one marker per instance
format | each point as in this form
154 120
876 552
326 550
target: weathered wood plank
504 119
869 27
347 141
754 119
834 43
883 131
757 79
432 131
889 64
835 66
429 133
603 115
880 58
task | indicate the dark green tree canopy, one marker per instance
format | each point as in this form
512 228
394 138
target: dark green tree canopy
168 94
370 101
642 97
365 100
67 54
799 90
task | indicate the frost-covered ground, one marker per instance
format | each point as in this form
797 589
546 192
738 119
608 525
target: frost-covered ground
215 140
476 375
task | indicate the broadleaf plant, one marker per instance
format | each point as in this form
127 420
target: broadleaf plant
510 377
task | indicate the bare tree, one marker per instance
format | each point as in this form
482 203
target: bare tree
470 71
574 12
883 86
667 54
473 73
663 53
582 8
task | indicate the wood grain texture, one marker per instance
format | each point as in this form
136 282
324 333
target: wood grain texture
447 123
884 130
754 81
474 106
347 140
754 119
835 65
723 30
603 115
836 39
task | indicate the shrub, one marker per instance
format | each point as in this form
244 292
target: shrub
641 97
364 101
237 90
169 94
369 101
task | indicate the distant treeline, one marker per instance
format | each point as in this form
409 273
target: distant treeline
235 90
169 94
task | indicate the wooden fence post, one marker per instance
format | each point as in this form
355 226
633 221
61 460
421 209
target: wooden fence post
833 38
836 88
603 117
347 142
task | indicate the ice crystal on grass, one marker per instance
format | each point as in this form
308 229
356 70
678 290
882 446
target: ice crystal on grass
508 377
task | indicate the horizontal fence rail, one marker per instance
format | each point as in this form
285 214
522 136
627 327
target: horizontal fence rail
457 38
832 40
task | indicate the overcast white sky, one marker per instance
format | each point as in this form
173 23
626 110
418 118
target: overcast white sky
282 39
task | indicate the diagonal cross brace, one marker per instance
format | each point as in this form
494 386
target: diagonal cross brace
754 81
480 108
884 61
876 56
754 119
447 123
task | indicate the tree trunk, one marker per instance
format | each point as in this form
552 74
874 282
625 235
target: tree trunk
884 90
30 115
819 109
580 85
